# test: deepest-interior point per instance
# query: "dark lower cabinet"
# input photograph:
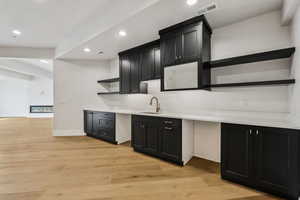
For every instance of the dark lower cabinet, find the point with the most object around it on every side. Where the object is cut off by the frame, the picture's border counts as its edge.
(160, 137)
(261, 157)
(236, 152)
(88, 122)
(170, 140)
(100, 125)
(138, 133)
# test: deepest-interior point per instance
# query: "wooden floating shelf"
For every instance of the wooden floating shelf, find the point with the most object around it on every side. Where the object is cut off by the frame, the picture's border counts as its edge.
(258, 57)
(259, 83)
(108, 93)
(112, 80)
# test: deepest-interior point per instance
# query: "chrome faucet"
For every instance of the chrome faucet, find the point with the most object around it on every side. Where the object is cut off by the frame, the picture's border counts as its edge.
(157, 104)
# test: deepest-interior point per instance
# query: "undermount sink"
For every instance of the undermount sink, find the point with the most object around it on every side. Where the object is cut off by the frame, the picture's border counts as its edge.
(153, 113)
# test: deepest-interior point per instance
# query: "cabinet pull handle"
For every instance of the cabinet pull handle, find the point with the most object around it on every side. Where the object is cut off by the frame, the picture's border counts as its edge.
(168, 122)
(257, 132)
(168, 128)
(250, 131)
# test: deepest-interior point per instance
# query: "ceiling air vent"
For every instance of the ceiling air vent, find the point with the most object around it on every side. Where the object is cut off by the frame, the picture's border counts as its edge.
(208, 8)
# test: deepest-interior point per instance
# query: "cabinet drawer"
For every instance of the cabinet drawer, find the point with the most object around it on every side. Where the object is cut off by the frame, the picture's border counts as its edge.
(170, 123)
(105, 115)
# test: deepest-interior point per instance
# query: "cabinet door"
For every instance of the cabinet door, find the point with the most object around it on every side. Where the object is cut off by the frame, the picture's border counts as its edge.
(168, 45)
(275, 166)
(157, 63)
(178, 47)
(124, 74)
(152, 131)
(134, 73)
(170, 142)
(88, 123)
(96, 124)
(138, 134)
(236, 147)
(192, 39)
(147, 64)
(107, 129)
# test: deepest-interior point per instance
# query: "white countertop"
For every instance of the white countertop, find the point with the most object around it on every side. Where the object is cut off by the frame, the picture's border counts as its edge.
(250, 118)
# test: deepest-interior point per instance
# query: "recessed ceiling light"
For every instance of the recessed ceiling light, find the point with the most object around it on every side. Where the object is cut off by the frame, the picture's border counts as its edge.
(16, 32)
(122, 33)
(44, 61)
(191, 2)
(87, 50)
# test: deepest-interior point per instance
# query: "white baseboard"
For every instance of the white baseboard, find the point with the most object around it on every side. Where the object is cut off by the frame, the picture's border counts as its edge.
(65, 133)
(205, 157)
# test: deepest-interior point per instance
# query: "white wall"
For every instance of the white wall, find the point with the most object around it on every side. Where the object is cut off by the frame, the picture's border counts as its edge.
(295, 92)
(16, 96)
(40, 92)
(75, 86)
(13, 98)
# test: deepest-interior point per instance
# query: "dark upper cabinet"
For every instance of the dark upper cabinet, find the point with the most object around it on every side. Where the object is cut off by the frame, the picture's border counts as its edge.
(192, 42)
(261, 157)
(168, 49)
(150, 60)
(157, 63)
(130, 73)
(134, 73)
(125, 82)
(187, 42)
(183, 43)
(158, 137)
(138, 64)
(147, 63)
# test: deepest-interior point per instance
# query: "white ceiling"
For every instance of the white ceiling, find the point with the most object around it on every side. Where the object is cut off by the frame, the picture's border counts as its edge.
(72, 25)
(44, 23)
(145, 24)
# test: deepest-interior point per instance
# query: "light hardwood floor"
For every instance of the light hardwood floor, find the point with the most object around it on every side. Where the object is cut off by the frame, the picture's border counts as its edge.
(36, 166)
